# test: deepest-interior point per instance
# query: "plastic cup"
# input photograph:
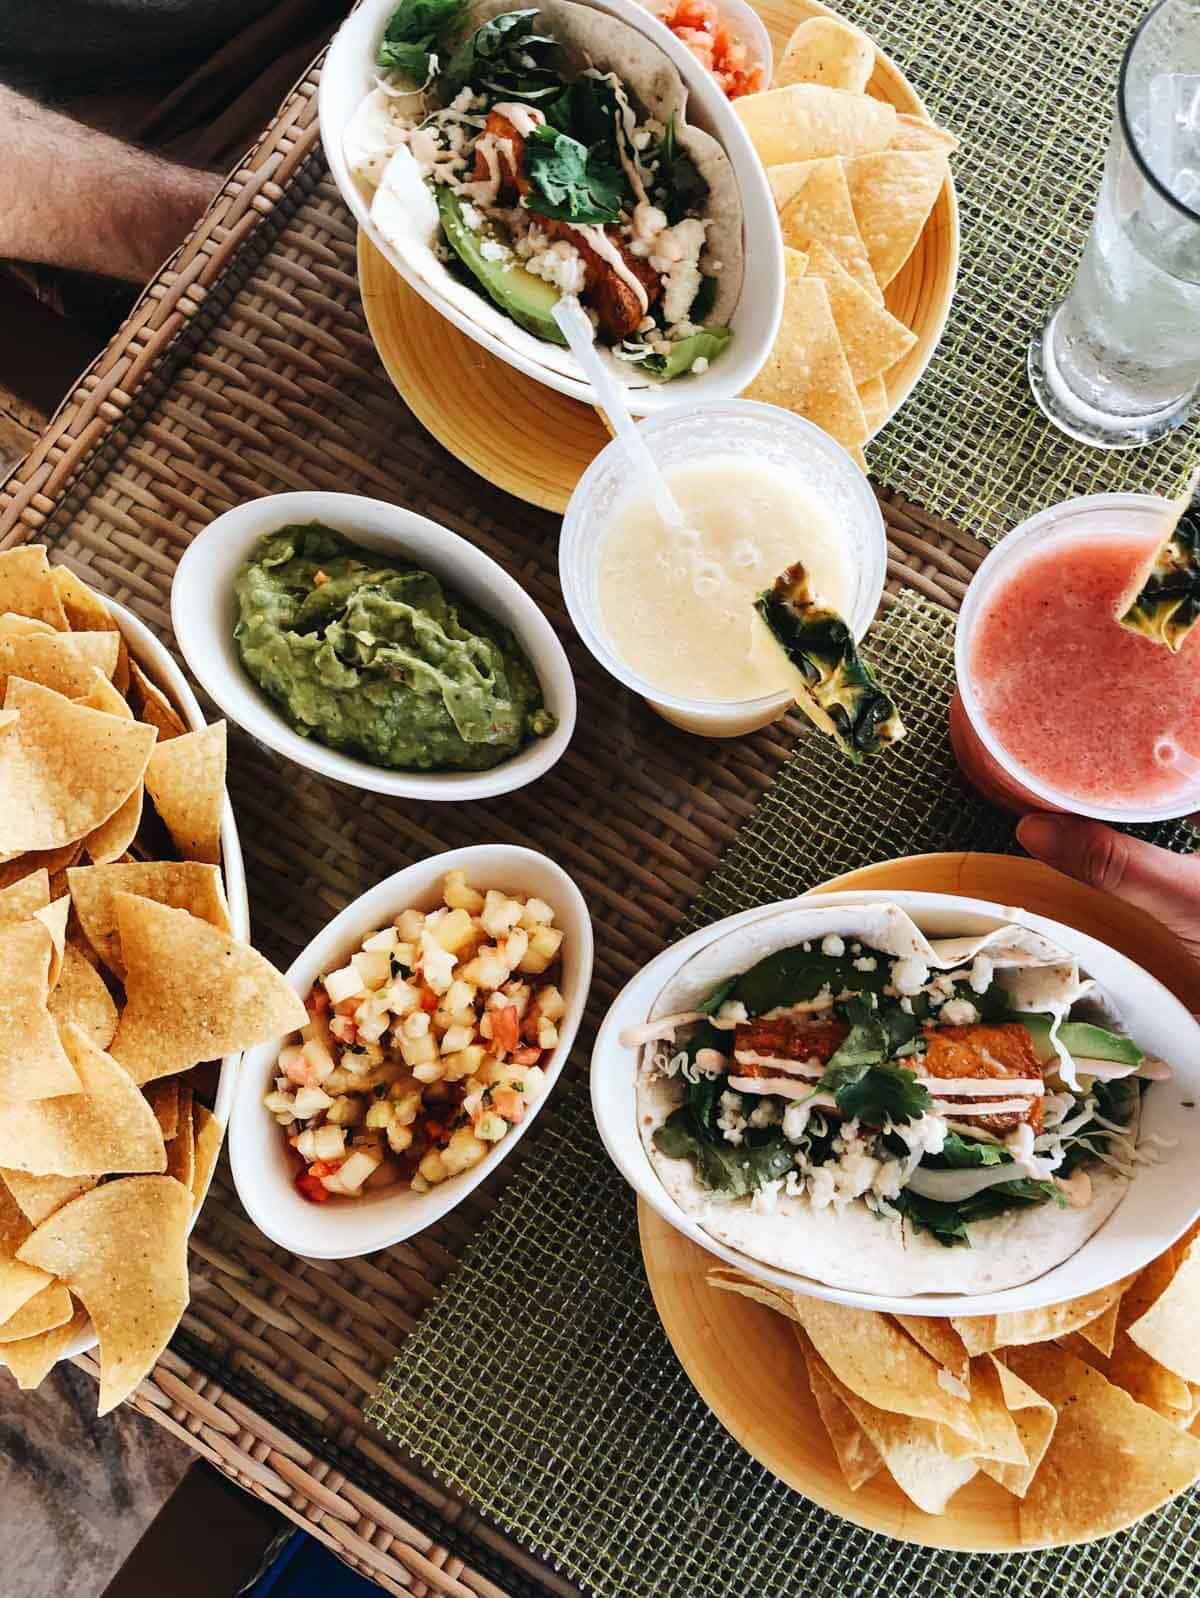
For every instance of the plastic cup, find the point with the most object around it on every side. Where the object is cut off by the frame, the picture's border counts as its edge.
(983, 759)
(698, 432)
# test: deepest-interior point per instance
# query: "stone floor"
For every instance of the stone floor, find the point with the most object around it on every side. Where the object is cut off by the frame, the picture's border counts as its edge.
(76, 1493)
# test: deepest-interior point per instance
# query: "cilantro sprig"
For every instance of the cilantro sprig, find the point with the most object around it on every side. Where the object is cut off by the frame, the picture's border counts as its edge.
(572, 182)
(411, 37)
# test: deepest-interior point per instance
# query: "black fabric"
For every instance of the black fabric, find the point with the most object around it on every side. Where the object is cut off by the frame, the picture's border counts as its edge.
(58, 49)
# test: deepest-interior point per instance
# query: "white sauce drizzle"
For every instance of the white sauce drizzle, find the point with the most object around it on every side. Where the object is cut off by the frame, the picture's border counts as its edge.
(604, 247)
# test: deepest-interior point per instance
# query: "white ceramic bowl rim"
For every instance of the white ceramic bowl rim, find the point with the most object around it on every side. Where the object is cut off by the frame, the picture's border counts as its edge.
(350, 1228)
(1137, 1225)
(203, 612)
(708, 412)
(1066, 520)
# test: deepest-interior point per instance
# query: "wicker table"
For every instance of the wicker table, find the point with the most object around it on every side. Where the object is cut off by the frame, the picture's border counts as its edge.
(246, 369)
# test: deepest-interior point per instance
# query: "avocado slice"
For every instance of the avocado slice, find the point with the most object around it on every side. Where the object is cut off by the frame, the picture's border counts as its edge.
(529, 300)
(1081, 1039)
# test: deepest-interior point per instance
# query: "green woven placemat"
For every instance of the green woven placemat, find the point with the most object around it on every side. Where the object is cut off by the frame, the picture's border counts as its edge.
(1029, 87)
(542, 1388)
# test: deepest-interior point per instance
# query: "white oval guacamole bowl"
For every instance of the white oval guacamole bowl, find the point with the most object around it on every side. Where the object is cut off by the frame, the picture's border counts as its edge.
(204, 610)
(262, 1167)
(1161, 1202)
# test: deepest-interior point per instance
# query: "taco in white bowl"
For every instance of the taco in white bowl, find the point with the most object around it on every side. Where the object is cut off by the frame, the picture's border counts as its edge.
(504, 156)
(839, 1096)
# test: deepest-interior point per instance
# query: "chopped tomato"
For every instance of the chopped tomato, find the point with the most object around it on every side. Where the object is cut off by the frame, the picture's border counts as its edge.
(506, 1029)
(429, 1000)
(528, 1056)
(324, 1167)
(311, 1188)
(317, 1002)
(346, 1006)
(698, 25)
(343, 1029)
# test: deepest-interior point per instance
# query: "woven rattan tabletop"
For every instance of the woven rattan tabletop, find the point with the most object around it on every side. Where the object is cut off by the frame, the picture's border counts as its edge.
(246, 369)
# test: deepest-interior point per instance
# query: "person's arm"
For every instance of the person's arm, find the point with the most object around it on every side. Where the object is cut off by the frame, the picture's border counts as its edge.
(72, 197)
(1165, 884)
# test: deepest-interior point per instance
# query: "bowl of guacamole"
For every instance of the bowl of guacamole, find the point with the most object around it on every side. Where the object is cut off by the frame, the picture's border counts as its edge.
(373, 646)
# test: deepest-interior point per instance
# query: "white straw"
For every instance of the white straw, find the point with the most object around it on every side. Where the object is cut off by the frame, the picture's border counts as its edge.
(580, 335)
(1168, 753)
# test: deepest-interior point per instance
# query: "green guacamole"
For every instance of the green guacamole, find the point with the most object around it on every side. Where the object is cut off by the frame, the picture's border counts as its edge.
(374, 657)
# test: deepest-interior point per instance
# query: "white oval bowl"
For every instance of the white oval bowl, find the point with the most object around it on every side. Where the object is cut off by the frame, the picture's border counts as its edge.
(204, 610)
(348, 75)
(156, 660)
(1160, 1204)
(262, 1170)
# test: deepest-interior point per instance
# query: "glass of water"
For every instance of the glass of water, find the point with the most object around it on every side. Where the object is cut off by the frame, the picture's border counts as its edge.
(1117, 364)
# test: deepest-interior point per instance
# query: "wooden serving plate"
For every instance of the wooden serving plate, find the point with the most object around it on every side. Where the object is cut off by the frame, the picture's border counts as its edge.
(534, 442)
(744, 1360)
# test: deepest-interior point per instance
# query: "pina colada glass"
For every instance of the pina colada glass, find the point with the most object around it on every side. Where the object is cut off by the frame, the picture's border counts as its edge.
(1117, 364)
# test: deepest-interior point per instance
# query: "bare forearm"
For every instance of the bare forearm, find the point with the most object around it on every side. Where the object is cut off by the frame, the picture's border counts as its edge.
(70, 196)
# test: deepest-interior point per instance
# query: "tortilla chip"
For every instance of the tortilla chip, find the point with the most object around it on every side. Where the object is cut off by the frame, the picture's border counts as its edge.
(1102, 1332)
(18, 1282)
(880, 1364)
(39, 1196)
(873, 397)
(112, 838)
(183, 884)
(806, 371)
(910, 1448)
(26, 586)
(163, 1098)
(23, 897)
(122, 1250)
(941, 1342)
(81, 996)
(181, 1150)
(1169, 1328)
(32, 1062)
(813, 201)
(102, 695)
(152, 705)
(983, 1333)
(106, 1128)
(14, 626)
(53, 917)
(192, 992)
(63, 769)
(186, 780)
(893, 193)
(85, 611)
(61, 661)
(44, 1311)
(806, 121)
(829, 51)
(1070, 1498)
(51, 861)
(857, 1455)
(918, 133)
(207, 1133)
(1034, 1418)
(872, 338)
(33, 1358)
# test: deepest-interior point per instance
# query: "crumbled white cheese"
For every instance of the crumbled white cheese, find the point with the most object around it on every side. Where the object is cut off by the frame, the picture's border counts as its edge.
(821, 1187)
(906, 1005)
(700, 365)
(832, 945)
(767, 1113)
(866, 962)
(981, 974)
(766, 1197)
(889, 1179)
(941, 988)
(910, 975)
(795, 1120)
(731, 1013)
(925, 1135)
(731, 1121)
(472, 217)
(560, 264)
(492, 250)
(958, 1012)
(676, 255)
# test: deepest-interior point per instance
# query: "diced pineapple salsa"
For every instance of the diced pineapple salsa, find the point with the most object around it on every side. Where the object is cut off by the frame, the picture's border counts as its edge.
(422, 1050)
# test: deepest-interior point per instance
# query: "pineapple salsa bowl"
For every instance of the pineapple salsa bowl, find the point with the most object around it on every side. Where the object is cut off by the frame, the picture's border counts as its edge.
(425, 1047)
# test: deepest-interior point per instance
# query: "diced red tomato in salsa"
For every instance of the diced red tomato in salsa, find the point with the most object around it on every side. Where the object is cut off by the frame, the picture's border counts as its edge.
(698, 25)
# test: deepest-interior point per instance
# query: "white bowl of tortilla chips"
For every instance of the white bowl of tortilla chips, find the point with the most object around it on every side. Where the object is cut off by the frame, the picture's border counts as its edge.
(127, 966)
(1131, 1227)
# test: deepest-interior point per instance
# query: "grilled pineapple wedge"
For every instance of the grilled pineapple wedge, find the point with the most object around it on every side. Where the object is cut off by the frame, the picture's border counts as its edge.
(839, 691)
(1163, 602)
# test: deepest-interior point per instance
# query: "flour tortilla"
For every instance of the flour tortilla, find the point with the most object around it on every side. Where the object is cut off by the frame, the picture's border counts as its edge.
(405, 213)
(853, 1248)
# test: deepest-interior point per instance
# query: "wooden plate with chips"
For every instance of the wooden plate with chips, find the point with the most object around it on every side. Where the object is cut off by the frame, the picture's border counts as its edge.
(748, 1363)
(534, 442)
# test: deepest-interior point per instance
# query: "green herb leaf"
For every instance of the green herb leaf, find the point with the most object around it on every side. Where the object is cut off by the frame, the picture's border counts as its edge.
(684, 191)
(412, 35)
(570, 182)
(726, 1171)
(713, 1000)
(960, 1153)
(505, 59)
(949, 1222)
(878, 1093)
(586, 109)
(790, 976)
